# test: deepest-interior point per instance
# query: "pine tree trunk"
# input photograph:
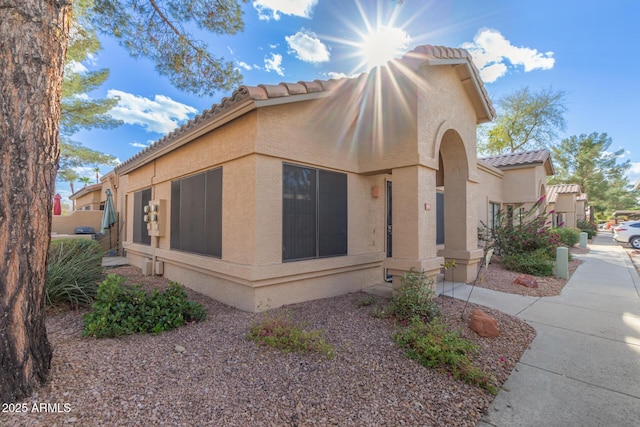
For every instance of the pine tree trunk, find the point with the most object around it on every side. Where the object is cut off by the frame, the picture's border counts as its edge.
(33, 42)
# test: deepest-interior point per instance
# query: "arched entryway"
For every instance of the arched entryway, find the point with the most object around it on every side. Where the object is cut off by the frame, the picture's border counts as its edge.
(458, 222)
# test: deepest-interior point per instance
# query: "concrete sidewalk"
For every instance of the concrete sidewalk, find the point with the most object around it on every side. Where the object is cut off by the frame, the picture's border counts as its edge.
(583, 368)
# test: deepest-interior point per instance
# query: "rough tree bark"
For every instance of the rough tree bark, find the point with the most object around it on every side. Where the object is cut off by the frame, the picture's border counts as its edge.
(33, 42)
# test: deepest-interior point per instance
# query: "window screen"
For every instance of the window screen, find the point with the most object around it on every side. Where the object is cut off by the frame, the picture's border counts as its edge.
(314, 213)
(196, 213)
(140, 200)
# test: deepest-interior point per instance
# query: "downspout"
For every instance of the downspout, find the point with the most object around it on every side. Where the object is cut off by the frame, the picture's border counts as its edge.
(154, 239)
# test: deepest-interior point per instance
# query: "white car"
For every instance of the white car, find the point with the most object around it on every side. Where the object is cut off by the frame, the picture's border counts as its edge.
(628, 232)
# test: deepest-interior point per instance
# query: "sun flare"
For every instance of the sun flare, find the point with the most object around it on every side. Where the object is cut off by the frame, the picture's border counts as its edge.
(382, 44)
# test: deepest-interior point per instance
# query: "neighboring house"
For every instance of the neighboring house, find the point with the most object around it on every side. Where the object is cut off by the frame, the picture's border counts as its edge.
(297, 191)
(568, 204)
(512, 183)
(88, 198)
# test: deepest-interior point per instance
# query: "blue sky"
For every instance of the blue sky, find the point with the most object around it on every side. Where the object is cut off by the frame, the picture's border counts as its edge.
(586, 48)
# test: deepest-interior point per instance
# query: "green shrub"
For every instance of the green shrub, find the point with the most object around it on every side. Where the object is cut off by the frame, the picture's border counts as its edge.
(536, 263)
(435, 347)
(415, 297)
(73, 271)
(589, 227)
(282, 333)
(121, 310)
(514, 234)
(568, 236)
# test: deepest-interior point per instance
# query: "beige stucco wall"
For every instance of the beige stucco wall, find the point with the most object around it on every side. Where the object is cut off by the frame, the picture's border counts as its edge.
(490, 181)
(91, 199)
(522, 185)
(398, 140)
(66, 224)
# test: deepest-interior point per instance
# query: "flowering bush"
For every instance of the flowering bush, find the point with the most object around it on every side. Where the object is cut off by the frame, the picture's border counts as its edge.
(528, 237)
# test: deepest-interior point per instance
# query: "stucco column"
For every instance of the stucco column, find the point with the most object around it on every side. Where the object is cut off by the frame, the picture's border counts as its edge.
(461, 229)
(414, 223)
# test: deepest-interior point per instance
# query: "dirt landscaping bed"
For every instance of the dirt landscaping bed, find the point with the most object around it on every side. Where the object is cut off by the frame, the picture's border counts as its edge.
(497, 278)
(208, 373)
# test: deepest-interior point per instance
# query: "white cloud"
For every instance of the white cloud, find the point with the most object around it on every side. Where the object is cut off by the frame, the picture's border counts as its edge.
(492, 53)
(138, 144)
(271, 9)
(246, 66)
(633, 174)
(161, 114)
(308, 47)
(75, 67)
(337, 75)
(274, 63)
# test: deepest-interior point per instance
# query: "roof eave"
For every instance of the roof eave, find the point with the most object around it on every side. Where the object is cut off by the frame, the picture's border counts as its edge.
(238, 110)
(290, 99)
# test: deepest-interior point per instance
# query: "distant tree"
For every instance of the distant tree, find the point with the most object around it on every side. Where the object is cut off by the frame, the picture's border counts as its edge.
(85, 180)
(526, 120)
(70, 176)
(34, 36)
(586, 160)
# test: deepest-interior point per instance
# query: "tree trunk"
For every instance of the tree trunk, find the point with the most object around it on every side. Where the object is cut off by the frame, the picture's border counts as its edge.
(33, 42)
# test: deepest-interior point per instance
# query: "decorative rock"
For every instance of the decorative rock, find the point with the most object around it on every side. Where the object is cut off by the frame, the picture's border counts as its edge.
(483, 324)
(526, 280)
(179, 349)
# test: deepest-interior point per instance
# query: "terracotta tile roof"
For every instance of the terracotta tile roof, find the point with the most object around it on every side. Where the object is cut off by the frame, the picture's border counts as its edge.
(554, 190)
(245, 95)
(518, 159)
(86, 190)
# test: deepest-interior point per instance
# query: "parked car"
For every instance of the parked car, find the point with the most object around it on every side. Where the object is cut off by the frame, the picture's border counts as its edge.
(628, 232)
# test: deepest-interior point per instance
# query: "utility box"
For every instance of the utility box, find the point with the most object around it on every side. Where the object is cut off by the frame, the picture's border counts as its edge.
(147, 267)
(159, 268)
(155, 217)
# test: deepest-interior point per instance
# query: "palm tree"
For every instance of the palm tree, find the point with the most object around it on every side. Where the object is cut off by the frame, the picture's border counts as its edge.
(97, 171)
(70, 176)
(85, 180)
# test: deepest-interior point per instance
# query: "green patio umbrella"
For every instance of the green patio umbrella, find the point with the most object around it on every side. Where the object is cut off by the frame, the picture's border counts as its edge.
(108, 215)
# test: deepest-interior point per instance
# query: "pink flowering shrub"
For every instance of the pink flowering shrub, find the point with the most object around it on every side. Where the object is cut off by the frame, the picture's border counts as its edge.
(527, 238)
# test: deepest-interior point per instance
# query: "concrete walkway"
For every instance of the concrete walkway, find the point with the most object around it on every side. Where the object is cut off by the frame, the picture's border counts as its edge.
(583, 368)
(114, 261)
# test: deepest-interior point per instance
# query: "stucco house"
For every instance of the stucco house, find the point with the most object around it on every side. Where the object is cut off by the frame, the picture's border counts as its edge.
(291, 192)
(88, 198)
(512, 183)
(568, 203)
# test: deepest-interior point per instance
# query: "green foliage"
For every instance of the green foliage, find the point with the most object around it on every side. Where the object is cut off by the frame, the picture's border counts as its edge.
(588, 161)
(526, 120)
(528, 233)
(73, 271)
(536, 263)
(78, 111)
(121, 310)
(158, 31)
(282, 333)
(588, 227)
(433, 346)
(370, 300)
(414, 298)
(569, 237)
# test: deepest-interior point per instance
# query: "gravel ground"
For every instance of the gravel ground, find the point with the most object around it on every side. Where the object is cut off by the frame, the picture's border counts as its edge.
(222, 379)
(496, 277)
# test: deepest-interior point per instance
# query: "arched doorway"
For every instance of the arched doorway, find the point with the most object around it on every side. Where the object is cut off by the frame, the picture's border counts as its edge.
(458, 222)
